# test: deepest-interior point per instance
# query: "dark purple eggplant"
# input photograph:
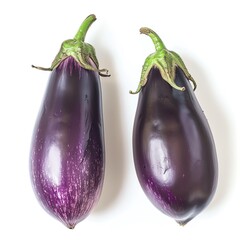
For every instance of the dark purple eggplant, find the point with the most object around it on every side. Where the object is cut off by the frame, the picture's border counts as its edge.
(173, 147)
(67, 154)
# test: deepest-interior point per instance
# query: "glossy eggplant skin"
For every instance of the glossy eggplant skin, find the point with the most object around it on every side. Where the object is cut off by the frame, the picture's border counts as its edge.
(173, 148)
(67, 153)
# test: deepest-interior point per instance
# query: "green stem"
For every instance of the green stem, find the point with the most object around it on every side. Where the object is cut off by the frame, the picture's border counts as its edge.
(164, 60)
(157, 41)
(83, 53)
(80, 36)
(42, 68)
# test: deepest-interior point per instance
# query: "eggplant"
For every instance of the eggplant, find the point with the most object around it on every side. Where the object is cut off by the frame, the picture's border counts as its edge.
(173, 148)
(67, 158)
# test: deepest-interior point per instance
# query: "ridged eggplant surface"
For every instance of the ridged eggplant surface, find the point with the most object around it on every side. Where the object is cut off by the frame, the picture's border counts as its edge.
(67, 152)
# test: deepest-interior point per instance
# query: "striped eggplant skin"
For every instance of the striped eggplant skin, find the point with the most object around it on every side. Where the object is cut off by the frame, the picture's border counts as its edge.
(67, 154)
(173, 148)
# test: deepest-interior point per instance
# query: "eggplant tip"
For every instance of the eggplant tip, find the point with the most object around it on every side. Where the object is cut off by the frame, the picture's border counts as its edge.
(70, 225)
(183, 222)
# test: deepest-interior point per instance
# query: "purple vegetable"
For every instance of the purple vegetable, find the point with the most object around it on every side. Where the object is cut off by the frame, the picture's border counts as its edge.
(67, 152)
(173, 147)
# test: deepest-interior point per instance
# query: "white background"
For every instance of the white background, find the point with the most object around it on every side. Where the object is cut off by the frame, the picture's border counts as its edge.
(206, 35)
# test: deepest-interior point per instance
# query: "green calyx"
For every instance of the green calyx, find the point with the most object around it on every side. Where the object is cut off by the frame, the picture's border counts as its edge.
(82, 52)
(163, 59)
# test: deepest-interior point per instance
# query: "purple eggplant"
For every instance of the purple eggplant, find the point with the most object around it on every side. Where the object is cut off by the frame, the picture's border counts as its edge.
(67, 156)
(173, 147)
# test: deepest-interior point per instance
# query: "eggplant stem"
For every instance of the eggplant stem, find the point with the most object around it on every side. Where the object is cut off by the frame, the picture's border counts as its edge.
(182, 66)
(137, 91)
(157, 41)
(79, 50)
(163, 59)
(104, 74)
(42, 68)
(82, 31)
